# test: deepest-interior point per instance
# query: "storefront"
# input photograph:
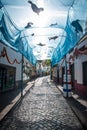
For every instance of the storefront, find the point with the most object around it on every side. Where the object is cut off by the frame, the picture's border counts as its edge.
(7, 77)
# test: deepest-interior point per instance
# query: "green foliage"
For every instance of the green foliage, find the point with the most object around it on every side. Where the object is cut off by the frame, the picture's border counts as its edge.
(48, 62)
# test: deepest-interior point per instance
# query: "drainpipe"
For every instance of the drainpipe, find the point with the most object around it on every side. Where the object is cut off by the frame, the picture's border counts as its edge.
(66, 77)
(51, 72)
(22, 77)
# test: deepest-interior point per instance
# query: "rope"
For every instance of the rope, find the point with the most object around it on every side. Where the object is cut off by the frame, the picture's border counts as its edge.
(4, 54)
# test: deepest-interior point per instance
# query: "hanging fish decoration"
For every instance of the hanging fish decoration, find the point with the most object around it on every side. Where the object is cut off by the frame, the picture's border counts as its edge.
(53, 38)
(29, 24)
(77, 26)
(35, 8)
(53, 24)
(32, 34)
(40, 44)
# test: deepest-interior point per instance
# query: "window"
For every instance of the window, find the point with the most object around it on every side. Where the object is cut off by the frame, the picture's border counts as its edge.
(7, 77)
(85, 73)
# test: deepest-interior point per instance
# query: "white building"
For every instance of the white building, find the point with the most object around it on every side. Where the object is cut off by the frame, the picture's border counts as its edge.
(77, 61)
(11, 68)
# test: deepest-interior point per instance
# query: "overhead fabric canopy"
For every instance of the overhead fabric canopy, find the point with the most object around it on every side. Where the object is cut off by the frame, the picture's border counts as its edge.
(42, 29)
(14, 38)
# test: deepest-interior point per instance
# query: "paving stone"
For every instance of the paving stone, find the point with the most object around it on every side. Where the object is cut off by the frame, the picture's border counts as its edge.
(43, 108)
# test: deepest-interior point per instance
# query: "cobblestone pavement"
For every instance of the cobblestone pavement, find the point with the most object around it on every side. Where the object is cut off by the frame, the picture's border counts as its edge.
(43, 108)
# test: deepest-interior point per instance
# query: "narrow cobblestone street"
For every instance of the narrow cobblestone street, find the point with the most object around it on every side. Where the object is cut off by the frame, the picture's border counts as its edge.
(42, 108)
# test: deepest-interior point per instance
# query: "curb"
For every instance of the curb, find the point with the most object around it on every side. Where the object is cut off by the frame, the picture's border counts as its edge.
(78, 112)
(5, 111)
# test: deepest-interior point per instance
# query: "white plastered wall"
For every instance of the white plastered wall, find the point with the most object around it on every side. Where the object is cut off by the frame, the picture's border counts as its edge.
(12, 55)
(78, 71)
(78, 64)
(55, 72)
(61, 64)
